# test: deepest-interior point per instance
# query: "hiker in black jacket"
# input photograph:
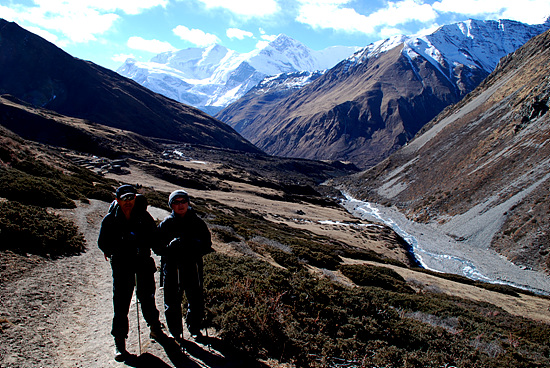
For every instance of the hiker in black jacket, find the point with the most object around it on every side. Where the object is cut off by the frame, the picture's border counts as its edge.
(125, 238)
(184, 240)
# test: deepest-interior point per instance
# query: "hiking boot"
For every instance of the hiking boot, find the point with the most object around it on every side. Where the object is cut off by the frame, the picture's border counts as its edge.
(157, 334)
(179, 340)
(120, 349)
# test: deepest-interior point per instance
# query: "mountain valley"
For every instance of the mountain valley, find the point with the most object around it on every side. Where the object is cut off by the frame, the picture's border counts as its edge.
(479, 171)
(374, 102)
(296, 280)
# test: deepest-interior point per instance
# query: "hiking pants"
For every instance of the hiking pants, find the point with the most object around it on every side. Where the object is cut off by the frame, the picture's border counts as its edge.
(124, 280)
(178, 279)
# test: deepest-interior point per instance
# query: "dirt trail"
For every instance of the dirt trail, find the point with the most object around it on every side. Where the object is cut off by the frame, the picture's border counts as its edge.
(59, 315)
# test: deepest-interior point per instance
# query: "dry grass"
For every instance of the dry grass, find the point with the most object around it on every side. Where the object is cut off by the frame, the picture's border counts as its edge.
(247, 197)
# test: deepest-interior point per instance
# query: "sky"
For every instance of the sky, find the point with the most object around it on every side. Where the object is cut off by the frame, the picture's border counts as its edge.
(107, 32)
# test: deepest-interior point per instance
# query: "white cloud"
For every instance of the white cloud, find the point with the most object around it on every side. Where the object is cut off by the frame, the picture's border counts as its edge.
(131, 7)
(265, 39)
(247, 8)
(330, 14)
(527, 11)
(102, 6)
(339, 15)
(404, 11)
(238, 33)
(8, 14)
(42, 33)
(195, 36)
(335, 14)
(261, 44)
(390, 31)
(77, 20)
(154, 46)
(268, 38)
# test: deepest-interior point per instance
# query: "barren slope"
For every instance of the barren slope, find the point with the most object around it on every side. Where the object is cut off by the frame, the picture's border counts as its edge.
(480, 170)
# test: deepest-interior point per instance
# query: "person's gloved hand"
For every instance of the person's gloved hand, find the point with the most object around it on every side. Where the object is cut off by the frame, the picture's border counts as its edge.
(175, 244)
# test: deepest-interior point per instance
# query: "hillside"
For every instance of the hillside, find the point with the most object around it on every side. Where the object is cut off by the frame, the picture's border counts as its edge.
(296, 281)
(37, 72)
(374, 102)
(480, 171)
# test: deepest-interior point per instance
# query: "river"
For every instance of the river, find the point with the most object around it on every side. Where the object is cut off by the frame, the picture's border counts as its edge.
(437, 251)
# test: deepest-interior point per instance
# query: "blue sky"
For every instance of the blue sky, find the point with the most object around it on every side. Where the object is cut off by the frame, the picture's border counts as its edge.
(106, 32)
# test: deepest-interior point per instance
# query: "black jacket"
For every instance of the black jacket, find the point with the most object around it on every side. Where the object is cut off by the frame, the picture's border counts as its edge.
(184, 239)
(127, 239)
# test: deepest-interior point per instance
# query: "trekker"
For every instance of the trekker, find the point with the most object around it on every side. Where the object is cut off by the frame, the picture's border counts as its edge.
(185, 239)
(125, 238)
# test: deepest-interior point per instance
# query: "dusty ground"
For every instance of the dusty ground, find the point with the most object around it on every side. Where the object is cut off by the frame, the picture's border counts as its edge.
(58, 313)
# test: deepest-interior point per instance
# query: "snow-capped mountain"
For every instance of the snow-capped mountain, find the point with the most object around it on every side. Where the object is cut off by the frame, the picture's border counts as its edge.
(376, 100)
(474, 44)
(213, 77)
(38, 74)
(269, 91)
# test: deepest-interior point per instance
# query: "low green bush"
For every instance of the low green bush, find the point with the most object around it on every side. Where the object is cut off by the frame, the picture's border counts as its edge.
(292, 316)
(31, 229)
(33, 182)
(19, 186)
(366, 275)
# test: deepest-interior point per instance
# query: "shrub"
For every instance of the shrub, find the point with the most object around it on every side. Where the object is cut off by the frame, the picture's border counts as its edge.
(31, 229)
(34, 182)
(366, 275)
(292, 316)
(19, 186)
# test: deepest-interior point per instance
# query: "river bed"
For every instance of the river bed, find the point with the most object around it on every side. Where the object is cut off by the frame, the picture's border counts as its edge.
(437, 251)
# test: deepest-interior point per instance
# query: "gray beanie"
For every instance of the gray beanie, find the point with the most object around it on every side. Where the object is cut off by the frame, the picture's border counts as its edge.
(177, 194)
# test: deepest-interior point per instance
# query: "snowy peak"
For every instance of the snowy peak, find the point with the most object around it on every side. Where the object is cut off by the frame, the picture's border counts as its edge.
(213, 77)
(285, 55)
(479, 43)
(194, 63)
(473, 43)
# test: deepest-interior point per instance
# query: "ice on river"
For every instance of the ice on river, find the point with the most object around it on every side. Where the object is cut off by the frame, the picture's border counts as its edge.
(437, 251)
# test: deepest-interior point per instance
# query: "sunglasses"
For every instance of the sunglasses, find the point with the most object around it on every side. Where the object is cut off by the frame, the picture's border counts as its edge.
(128, 197)
(179, 201)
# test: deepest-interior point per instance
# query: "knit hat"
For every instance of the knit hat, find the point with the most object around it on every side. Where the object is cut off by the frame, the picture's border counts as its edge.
(177, 194)
(125, 189)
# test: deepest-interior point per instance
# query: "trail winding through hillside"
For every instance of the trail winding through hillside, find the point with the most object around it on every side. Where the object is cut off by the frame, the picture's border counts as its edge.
(58, 314)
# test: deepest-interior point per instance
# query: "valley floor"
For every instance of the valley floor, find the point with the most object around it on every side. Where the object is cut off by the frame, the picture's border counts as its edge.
(58, 313)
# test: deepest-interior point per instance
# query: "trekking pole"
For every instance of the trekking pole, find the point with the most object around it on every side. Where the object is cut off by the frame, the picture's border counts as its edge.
(137, 314)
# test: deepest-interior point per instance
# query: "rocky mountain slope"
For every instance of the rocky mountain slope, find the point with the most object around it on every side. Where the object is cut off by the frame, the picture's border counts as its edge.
(480, 170)
(266, 94)
(374, 102)
(37, 72)
(213, 77)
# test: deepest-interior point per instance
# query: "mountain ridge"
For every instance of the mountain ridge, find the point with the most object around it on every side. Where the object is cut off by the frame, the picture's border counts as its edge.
(385, 112)
(480, 171)
(210, 78)
(84, 90)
